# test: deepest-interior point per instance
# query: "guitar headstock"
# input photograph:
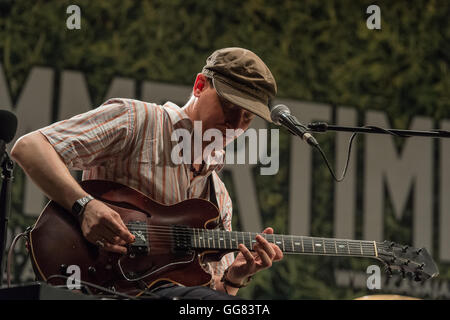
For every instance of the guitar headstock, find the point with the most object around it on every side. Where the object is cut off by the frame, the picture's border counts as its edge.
(407, 260)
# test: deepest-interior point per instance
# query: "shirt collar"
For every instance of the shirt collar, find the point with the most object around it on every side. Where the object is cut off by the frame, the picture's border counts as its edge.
(179, 119)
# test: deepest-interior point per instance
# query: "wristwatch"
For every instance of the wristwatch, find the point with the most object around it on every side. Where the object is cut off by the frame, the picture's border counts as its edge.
(79, 205)
(234, 285)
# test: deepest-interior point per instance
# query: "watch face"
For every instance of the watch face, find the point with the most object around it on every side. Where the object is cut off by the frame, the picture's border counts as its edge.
(77, 208)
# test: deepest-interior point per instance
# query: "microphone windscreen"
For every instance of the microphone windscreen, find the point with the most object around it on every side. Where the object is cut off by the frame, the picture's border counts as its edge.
(277, 111)
(8, 125)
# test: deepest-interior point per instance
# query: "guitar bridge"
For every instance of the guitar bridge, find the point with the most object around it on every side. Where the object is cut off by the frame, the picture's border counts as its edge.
(141, 244)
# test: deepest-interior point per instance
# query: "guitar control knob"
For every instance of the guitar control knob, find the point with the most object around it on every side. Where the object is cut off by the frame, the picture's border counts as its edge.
(92, 270)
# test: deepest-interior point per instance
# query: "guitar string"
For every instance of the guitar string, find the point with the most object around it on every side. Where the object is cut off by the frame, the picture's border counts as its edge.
(163, 236)
(188, 230)
(354, 248)
(169, 231)
(284, 238)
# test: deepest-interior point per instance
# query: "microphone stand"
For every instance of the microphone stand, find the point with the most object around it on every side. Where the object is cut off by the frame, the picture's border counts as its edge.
(323, 127)
(5, 204)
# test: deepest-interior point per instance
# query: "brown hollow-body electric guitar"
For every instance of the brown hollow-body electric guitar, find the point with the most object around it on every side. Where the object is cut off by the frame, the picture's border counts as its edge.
(173, 242)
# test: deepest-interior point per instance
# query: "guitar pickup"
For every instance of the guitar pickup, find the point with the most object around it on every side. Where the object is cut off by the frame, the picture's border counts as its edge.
(141, 243)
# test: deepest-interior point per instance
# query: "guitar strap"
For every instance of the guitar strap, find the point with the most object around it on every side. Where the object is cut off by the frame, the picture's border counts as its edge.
(213, 199)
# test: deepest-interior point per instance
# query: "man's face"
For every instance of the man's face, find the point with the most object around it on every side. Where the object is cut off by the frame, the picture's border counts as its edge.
(218, 113)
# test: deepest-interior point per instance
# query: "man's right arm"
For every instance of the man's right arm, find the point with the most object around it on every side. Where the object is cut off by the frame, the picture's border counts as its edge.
(45, 167)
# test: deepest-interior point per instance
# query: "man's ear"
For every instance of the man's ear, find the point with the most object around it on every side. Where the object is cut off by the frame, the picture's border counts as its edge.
(200, 84)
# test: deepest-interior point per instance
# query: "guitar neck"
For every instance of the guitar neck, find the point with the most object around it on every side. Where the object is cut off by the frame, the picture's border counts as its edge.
(289, 244)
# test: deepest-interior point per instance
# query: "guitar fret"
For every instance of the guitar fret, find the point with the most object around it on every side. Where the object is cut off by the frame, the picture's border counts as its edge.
(201, 238)
(330, 245)
(225, 234)
(307, 245)
(355, 248)
(296, 244)
(317, 246)
(218, 238)
(326, 246)
(193, 239)
(237, 238)
(208, 233)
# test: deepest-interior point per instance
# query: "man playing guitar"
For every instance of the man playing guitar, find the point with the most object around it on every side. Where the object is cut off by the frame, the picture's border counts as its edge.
(130, 142)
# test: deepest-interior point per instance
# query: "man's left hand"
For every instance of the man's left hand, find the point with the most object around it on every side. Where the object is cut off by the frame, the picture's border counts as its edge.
(248, 263)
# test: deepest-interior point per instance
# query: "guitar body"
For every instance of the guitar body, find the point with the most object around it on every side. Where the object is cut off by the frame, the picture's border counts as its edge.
(56, 242)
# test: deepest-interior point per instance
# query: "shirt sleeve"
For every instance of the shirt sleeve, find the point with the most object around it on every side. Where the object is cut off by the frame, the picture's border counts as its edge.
(89, 139)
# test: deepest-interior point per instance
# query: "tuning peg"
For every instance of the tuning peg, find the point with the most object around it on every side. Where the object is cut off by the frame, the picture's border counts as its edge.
(404, 249)
(417, 277)
(392, 244)
(418, 251)
(403, 273)
(421, 266)
(389, 272)
(406, 262)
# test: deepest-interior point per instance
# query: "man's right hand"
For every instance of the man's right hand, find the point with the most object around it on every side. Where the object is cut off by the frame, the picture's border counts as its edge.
(101, 223)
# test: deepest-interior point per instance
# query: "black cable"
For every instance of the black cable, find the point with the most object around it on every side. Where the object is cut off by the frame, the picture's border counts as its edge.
(10, 252)
(89, 284)
(350, 150)
(346, 164)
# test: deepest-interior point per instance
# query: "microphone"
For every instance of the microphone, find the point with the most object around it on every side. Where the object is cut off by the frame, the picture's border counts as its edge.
(8, 127)
(281, 115)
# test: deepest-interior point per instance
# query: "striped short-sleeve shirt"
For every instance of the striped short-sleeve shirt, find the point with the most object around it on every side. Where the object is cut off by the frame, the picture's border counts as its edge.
(129, 142)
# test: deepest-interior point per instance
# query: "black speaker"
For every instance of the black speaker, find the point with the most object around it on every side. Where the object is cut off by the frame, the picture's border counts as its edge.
(42, 291)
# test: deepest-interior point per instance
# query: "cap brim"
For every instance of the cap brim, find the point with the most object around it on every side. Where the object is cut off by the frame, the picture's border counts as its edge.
(242, 99)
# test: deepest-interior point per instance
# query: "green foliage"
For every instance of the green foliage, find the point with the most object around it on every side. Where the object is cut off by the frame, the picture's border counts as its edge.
(317, 50)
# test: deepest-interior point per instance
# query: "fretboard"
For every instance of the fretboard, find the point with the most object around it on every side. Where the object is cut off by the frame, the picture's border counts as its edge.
(226, 240)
